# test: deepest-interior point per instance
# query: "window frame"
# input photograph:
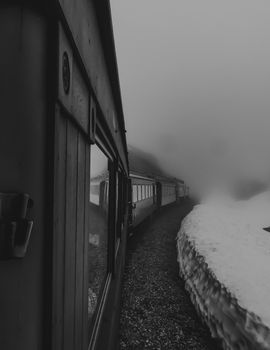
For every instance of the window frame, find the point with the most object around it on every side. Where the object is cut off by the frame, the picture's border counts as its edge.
(107, 277)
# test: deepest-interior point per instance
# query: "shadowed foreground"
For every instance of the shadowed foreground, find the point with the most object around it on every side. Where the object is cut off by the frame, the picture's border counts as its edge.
(156, 310)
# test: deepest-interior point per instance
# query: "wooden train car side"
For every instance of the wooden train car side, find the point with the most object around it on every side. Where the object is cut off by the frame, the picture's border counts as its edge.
(62, 126)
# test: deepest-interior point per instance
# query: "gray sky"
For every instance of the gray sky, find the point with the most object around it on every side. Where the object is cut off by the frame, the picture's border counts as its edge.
(195, 81)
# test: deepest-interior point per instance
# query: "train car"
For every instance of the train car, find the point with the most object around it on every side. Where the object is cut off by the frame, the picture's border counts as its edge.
(64, 176)
(144, 201)
(166, 191)
(151, 187)
(186, 191)
(180, 189)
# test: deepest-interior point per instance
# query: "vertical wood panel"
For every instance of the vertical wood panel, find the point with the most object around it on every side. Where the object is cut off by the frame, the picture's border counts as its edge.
(80, 244)
(59, 229)
(70, 271)
(70, 237)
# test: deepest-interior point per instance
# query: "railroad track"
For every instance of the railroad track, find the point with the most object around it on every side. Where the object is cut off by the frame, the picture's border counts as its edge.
(156, 310)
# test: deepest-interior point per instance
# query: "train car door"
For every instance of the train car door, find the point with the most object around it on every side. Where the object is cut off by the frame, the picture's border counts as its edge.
(159, 194)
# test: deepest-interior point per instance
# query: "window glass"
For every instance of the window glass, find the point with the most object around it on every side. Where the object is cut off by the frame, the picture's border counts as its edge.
(139, 192)
(143, 191)
(98, 228)
(147, 191)
(134, 193)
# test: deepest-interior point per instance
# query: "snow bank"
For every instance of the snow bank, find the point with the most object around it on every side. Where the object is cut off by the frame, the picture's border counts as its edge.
(224, 257)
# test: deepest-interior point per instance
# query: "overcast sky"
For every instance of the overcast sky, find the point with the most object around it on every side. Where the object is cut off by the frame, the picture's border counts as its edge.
(195, 81)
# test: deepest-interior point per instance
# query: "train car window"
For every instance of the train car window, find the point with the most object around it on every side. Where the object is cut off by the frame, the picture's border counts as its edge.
(98, 228)
(143, 191)
(147, 191)
(139, 192)
(134, 194)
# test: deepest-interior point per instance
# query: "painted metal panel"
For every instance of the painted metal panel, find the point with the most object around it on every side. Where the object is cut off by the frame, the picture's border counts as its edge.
(23, 42)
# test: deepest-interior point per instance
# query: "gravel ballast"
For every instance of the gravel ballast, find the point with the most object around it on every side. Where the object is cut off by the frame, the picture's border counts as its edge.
(156, 310)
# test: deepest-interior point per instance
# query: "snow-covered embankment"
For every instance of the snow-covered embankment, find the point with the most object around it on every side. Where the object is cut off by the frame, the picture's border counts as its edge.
(224, 258)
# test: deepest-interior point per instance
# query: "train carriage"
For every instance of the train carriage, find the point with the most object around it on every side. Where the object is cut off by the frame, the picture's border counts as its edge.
(144, 201)
(63, 145)
(167, 192)
(64, 180)
(181, 190)
(151, 188)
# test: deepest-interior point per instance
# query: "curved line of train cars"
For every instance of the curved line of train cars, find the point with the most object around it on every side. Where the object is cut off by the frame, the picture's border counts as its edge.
(150, 193)
(64, 180)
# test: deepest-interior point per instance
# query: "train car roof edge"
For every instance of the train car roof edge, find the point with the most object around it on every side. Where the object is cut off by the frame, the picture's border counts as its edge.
(103, 11)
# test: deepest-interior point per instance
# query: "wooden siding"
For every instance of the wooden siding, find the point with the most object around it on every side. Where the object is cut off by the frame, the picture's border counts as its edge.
(70, 234)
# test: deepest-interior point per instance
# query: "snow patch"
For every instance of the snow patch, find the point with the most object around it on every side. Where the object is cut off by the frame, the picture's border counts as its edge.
(229, 236)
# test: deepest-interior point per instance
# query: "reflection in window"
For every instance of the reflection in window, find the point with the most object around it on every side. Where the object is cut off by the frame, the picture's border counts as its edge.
(98, 227)
(121, 204)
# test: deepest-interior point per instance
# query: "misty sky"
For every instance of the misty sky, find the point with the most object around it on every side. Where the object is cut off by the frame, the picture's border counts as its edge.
(195, 82)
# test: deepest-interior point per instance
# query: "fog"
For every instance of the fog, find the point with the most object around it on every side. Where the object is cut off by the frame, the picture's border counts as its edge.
(195, 82)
